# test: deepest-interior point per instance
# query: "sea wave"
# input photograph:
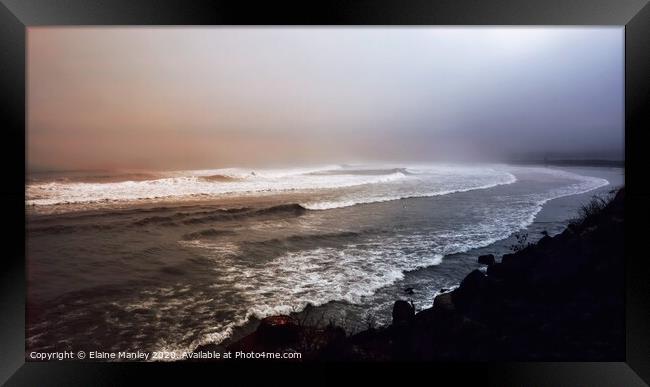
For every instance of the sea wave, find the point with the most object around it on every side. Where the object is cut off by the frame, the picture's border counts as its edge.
(373, 198)
(330, 186)
(191, 187)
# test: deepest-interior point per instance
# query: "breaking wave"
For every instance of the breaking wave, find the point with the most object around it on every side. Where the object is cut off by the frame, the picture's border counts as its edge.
(340, 186)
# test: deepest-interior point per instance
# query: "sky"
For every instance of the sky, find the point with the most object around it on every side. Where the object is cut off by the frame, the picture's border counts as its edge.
(180, 98)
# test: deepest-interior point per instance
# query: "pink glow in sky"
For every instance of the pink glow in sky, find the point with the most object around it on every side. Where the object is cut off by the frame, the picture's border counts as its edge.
(213, 97)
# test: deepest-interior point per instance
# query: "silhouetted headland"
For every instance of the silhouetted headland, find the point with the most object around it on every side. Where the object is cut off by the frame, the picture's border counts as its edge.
(573, 163)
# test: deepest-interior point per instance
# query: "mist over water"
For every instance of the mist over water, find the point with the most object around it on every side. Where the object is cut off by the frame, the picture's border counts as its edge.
(192, 98)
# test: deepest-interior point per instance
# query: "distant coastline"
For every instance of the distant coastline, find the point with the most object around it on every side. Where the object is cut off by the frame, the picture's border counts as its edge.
(572, 163)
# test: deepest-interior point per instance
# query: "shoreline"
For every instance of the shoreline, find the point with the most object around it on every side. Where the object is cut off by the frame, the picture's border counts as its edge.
(490, 315)
(534, 231)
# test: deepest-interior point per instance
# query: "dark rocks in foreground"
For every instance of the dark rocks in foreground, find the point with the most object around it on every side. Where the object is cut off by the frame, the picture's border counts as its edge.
(403, 312)
(487, 259)
(278, 329)
(561, 299)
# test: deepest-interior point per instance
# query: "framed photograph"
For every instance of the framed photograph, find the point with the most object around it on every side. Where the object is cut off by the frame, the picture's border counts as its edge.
(361, 185)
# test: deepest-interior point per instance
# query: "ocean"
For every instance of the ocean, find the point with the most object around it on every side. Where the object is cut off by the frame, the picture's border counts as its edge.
(168, 261)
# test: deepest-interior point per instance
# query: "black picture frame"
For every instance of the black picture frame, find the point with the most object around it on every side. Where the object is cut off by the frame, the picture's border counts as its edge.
(16, 16)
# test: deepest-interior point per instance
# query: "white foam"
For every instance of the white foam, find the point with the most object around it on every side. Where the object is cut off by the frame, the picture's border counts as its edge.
(394, 184)
(292, 281)
(252, 173)
(579, 184)
(440, 187)
(188, 187)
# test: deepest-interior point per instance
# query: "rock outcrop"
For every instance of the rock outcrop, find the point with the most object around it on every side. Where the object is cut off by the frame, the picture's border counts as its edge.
(403, 312)
(487, 259)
